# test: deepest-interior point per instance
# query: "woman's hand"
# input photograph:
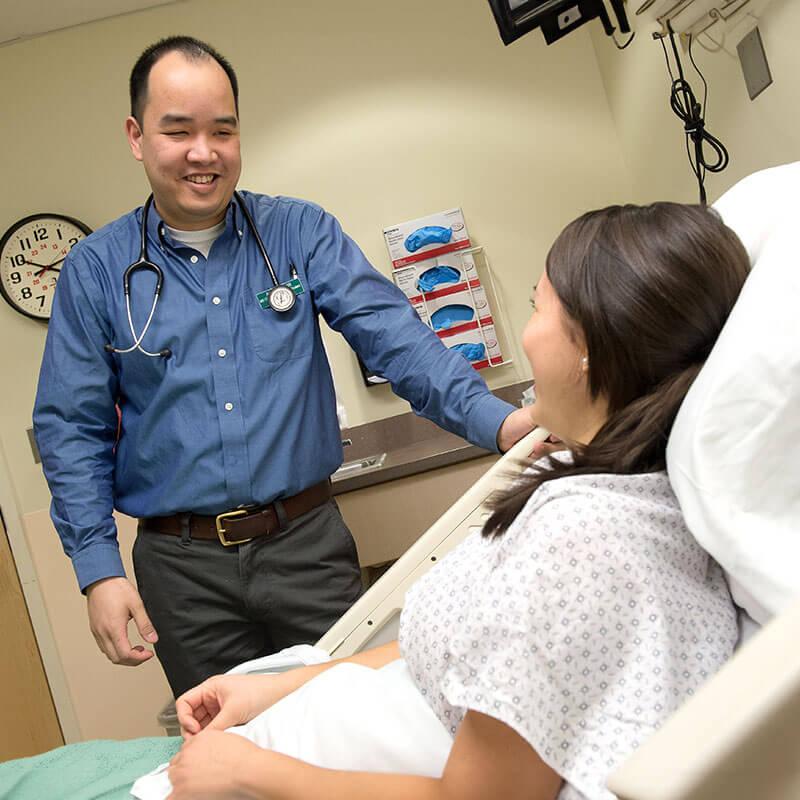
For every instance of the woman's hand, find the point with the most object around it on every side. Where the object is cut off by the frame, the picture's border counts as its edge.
(214, 766)
(226, 700)
(552, 444)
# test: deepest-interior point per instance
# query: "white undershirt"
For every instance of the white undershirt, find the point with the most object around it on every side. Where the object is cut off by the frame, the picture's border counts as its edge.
(198, 240)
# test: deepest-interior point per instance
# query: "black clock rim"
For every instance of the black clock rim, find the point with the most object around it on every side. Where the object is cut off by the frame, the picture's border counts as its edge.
(10, 232)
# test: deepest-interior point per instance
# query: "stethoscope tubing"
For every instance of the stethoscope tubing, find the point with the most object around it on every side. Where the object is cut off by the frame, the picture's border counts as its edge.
(137, 344)
(143, 263)
(252, 225)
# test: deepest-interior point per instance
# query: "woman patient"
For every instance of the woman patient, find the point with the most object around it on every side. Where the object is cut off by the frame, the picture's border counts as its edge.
(554, 643)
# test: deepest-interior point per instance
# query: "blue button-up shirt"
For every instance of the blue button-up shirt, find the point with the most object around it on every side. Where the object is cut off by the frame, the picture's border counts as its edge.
(244, 410)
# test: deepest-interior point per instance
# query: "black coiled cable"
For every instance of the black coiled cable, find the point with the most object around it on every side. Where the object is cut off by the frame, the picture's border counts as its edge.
(690, 112)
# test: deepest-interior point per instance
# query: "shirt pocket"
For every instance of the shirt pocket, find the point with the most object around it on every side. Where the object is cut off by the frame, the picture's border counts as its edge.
(278, 336)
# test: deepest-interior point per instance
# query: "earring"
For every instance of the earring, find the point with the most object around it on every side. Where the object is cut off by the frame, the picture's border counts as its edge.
(585, 362)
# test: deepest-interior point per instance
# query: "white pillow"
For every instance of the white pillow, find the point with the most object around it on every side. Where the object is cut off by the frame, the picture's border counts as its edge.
(734, 453)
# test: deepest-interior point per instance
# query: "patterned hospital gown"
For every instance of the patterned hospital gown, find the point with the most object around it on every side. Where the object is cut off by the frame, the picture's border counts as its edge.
(582, 628)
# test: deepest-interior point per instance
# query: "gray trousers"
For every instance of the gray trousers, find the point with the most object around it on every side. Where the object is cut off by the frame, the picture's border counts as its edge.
(214, 607)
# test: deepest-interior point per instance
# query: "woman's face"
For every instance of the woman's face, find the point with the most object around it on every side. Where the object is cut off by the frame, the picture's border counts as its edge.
(557, 354)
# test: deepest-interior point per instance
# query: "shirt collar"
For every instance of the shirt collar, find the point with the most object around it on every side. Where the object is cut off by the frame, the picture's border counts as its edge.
(157, 231)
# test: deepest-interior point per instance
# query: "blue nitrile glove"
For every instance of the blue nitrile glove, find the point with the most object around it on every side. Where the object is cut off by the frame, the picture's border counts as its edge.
(430, 234)
(449, 316)
(471, 351)
(435, 276)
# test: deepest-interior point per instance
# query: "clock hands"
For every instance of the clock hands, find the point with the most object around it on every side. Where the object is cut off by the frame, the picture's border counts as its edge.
(45, 267)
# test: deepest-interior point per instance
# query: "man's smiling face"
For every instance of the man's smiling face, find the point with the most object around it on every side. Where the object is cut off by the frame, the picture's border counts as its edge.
(188, 141)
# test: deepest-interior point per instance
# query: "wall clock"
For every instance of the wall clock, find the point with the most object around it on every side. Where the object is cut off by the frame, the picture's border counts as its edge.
(32, 252)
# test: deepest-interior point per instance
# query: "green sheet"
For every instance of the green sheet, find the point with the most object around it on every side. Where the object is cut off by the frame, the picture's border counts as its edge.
(100, 770)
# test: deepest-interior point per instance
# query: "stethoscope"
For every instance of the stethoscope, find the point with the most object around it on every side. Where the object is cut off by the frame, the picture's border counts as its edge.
(279, 298)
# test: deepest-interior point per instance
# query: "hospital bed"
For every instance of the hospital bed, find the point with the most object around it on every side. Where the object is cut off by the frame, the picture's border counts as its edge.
(374, 619)
(738, 738)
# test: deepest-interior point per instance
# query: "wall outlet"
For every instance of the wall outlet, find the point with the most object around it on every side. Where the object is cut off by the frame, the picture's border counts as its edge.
(754, 63)
(34, 448)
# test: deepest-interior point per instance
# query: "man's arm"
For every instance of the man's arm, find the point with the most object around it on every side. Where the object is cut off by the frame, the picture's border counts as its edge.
(381, 325)
(75, 424)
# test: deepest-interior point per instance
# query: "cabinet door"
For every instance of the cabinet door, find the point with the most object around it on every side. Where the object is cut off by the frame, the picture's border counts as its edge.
(29, 723)
(386, 519)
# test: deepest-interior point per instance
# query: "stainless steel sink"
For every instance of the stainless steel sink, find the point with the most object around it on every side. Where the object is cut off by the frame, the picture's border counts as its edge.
(359, 466)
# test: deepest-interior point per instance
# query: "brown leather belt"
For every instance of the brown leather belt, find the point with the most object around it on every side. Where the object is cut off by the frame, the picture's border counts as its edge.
(242, 524)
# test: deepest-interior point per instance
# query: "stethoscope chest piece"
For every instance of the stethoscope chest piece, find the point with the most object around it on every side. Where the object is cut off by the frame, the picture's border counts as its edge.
(281, 298)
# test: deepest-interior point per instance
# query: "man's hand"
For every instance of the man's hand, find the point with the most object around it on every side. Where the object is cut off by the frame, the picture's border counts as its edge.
(516, 425)
(112, 603)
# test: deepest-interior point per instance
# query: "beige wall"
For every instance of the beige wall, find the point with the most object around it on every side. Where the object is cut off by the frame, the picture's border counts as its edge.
(107, 702)
(121, 702)
(379, 113)
(380, 116)
(757, 133)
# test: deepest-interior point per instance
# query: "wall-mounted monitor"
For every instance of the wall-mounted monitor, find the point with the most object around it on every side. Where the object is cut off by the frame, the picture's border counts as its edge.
(556, 18)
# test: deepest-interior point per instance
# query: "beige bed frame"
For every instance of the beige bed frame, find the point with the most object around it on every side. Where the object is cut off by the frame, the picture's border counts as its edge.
(737, 739)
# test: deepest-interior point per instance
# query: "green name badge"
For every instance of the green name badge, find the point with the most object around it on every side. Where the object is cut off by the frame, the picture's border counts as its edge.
(295, 285)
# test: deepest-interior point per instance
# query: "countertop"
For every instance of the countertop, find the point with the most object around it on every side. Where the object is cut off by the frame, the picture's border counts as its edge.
(411, 445)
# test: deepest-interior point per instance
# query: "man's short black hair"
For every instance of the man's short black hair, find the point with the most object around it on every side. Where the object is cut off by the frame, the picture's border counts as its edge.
(192, 49)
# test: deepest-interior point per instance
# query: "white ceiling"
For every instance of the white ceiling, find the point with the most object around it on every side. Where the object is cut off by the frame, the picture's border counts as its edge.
(21, 19)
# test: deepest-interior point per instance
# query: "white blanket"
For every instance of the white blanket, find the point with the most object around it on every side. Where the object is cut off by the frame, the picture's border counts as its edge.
(351, 718)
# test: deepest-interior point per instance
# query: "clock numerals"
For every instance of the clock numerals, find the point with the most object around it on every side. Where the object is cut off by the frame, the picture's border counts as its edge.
(31, 255)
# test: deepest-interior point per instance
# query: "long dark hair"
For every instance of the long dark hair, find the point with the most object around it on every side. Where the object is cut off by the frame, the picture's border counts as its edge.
(650, 288)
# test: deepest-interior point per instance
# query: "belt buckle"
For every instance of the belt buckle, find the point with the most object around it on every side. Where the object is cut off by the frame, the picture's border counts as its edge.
(221, 532)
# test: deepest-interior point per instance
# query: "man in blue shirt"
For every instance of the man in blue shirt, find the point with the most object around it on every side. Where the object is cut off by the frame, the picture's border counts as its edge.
(227, 432)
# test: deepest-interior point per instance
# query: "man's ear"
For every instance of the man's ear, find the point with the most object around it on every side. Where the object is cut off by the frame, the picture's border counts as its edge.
(134, 133)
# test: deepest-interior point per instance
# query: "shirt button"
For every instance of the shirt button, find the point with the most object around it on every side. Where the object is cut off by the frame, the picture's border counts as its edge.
(229, 406)
(216, 301)
(222, 352)
(193, 259)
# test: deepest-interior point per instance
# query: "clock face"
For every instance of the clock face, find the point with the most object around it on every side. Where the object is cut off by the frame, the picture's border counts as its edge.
(32, 252)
